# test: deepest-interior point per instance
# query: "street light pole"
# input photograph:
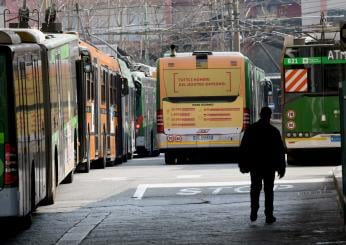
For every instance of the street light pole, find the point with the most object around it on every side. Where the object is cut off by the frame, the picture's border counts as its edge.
(146, 42)
(236, 34)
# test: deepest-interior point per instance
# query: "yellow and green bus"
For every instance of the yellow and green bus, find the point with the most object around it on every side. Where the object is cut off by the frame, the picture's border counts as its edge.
(311, 76)
(38, 123)
(205, 100)
(146, 140)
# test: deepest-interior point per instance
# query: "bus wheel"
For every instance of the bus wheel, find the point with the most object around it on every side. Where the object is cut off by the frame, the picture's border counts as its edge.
(170, 158)
(104, 158)
(87, 163)
(68, 179)
(124, 157)
(52, 182)
(118, 160)
(155, 153)
(33, 189)
(26, 221)
(291, 160)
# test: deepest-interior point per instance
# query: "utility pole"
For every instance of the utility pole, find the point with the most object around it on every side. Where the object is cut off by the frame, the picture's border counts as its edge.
(236, 34)
(146, 41)
(69, 22)
(230, 28)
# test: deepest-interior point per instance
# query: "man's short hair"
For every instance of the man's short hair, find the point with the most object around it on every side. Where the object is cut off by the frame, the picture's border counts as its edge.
(266, 112)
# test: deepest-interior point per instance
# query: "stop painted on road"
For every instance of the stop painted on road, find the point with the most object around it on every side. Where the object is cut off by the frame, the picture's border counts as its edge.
(224, 189)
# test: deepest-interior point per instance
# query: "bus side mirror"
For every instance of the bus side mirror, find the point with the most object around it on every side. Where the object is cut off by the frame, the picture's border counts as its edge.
(343, 33)
(86, 64)
(87, 68)
(125, 86)
(278, 96)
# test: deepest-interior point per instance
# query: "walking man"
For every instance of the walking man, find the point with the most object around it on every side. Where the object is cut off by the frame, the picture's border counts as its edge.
(262, 153)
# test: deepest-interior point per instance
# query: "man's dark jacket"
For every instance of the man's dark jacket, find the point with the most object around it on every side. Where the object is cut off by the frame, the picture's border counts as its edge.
(261, 149)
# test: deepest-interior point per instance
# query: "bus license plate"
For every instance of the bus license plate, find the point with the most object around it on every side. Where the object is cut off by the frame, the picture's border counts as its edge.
(203, 137)
(335, 138)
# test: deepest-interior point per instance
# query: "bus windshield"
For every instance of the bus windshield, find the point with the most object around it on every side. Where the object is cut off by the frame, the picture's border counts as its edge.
(310, 70)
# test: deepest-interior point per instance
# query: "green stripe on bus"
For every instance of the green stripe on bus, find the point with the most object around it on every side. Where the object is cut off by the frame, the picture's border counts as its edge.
(302, 61)
(2, 138)
(326, 60)
(73, 123)
(65, 51)
(312, 61)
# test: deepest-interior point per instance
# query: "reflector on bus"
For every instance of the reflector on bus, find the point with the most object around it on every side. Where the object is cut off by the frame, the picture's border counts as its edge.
(296, 80)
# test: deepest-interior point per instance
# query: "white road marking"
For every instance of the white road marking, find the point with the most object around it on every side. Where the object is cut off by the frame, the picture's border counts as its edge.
(115, 178)
(143, 187)
(188, 176)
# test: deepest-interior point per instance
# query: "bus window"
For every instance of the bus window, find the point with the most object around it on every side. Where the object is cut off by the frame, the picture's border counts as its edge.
(103, 86)
(88, 85)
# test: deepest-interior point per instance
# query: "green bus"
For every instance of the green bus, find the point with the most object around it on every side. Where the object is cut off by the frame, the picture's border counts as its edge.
(145, 127)
(38, 123)
(311, 116)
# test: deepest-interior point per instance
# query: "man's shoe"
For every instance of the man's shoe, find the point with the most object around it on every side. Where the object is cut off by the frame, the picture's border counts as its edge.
(253, 216)
(270, 219)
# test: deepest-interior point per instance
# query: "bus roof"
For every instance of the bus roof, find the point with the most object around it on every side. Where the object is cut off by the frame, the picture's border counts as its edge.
(26, 35)
(36, 36)
(238, 54)
(125, 72)
(310, 45)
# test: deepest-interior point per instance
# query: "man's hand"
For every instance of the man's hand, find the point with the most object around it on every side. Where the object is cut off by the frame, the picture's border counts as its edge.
(244, 170)
(281, 173)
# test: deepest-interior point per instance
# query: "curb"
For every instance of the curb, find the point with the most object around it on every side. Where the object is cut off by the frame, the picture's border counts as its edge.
(337, 176)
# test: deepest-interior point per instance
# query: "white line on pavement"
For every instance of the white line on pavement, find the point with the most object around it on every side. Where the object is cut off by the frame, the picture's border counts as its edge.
(188, 176)
(115, 178)
(143, 187)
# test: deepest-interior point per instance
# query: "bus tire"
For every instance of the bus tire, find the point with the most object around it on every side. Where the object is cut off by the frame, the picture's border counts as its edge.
(33, 188)
(104, 158)
(87, 163)
(50, 197)
(68, 179)
(26, 221)
(124, 158)
(170, 158)
(119, 160)
(155, 153)
(291, 159)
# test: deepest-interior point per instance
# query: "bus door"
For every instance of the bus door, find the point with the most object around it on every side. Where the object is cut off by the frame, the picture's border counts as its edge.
(118, 112)
(96, 117)
(108, 113)
(104, 110)
(82, 132)
(29, 132)
(60, 120)
(38, 118)
(112, 115)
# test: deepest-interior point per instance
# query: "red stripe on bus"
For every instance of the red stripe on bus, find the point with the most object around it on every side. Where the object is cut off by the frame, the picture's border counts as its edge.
(296, 80)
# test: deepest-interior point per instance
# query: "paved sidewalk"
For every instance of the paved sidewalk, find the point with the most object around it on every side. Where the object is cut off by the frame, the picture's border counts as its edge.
(337, 174)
